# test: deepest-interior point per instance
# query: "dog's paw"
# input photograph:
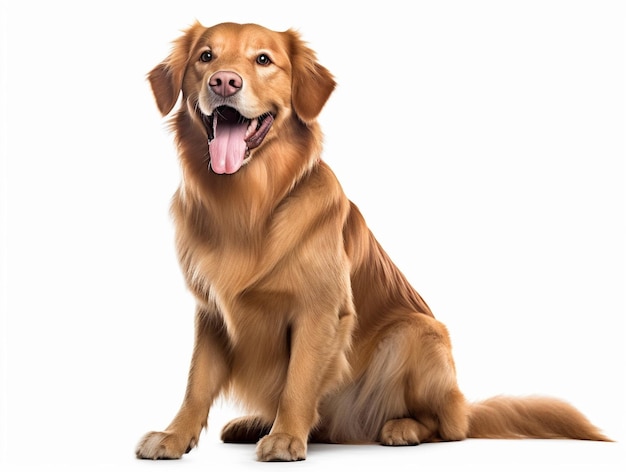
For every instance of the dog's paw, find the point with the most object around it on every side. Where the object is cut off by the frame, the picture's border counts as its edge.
(280, 447)
(163, 445)
(401, 432)
(247, 429)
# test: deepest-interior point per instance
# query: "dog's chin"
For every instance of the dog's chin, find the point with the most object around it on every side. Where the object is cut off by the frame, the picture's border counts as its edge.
(232, 136)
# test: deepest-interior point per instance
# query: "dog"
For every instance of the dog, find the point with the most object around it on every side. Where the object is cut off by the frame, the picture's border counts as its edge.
(301, 315)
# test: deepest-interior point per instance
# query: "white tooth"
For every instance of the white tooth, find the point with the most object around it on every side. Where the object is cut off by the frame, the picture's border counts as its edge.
(251, 127)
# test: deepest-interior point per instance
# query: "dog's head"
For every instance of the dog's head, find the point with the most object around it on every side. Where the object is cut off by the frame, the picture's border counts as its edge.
(241, 82)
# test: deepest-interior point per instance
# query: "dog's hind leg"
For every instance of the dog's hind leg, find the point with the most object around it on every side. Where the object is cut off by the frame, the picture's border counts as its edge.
(436, 408)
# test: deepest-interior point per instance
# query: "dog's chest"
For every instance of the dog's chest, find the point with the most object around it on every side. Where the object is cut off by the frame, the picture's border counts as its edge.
(236, 272)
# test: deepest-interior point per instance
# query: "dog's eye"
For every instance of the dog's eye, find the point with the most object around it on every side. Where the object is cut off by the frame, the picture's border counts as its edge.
(206, 56)
(263, 60)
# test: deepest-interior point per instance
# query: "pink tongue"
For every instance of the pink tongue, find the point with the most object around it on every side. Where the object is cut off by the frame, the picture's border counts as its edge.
(228, 148)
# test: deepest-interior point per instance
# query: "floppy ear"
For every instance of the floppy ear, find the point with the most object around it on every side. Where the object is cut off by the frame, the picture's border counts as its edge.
(166, 79)
(166, 83)
(311, 83)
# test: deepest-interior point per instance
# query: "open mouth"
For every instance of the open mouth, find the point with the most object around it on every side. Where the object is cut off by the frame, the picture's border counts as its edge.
(232, 136)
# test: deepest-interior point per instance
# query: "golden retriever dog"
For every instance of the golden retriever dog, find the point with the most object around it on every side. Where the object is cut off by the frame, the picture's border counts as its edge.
(301, 316)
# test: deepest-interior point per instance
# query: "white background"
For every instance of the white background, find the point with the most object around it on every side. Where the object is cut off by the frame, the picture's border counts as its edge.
(482, 140)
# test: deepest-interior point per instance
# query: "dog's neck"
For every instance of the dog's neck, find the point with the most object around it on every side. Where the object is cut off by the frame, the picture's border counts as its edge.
(248, 197)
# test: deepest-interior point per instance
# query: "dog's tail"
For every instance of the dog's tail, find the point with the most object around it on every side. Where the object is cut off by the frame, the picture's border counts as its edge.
(529, 417)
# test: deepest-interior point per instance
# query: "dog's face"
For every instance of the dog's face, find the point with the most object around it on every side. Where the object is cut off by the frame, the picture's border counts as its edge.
(242, 82)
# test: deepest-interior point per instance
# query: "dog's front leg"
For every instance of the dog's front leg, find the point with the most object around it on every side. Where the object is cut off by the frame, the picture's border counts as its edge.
(317, 350)
(207, 375)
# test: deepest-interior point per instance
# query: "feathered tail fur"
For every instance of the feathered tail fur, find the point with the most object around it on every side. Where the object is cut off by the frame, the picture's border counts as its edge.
(529, 417)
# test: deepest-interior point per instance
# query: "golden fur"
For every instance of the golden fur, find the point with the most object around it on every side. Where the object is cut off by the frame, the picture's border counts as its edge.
(301, 315)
